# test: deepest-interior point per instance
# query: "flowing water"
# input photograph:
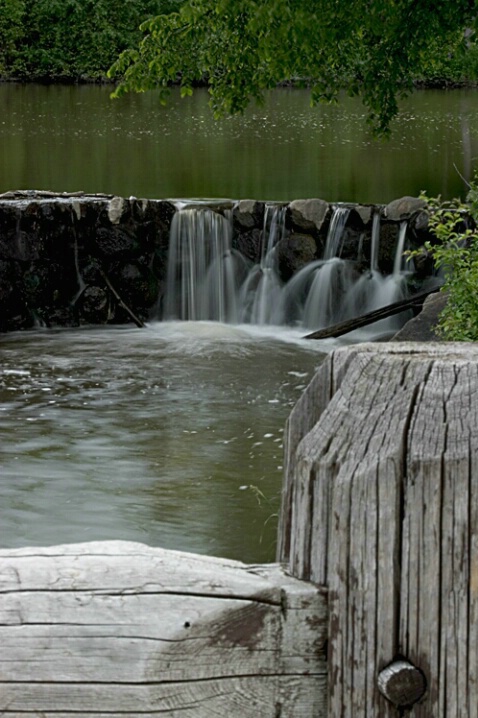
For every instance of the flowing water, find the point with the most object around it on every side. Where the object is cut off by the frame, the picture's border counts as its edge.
(171, 435)
(209, 280)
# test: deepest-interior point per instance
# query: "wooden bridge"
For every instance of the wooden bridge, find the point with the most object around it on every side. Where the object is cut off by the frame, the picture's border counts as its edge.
(370, 612)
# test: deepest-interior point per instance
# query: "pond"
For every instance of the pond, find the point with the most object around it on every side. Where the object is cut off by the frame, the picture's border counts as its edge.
(75, 138)
(171, 435)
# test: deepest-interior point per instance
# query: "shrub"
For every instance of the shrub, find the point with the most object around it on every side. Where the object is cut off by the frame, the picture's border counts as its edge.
(455, 252)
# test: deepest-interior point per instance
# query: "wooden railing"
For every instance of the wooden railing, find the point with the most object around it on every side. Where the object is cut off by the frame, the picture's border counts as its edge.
(372, 612)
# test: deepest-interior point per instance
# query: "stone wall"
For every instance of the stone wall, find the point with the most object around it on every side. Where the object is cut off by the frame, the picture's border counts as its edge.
(62, 255)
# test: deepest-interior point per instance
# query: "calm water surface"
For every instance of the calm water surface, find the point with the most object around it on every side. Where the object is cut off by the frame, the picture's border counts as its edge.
(170, 435)
(76, 138)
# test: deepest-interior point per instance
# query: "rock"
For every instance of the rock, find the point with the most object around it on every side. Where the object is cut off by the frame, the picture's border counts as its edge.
(94, 305)
(115, 209)
(423, 263)
(249, 213)
(364, 212)
(307, 215)
(387, 246)
(403, 208)
(14, 313)
(248, 244)
(136, 285)
(420, 221)
(294, 253)
(116, 241)
(422, 328)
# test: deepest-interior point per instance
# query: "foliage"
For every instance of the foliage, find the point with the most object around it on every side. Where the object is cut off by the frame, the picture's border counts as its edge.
(458, 64)
(372, 48)
(11, 30)
(456, 253)
(69, 39)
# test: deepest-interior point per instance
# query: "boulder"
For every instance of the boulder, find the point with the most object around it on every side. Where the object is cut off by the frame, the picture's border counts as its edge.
(307, 215)
(248, 243)
(364, 213)
(294, 253)
(403, 208)
(249, 213)
(94, 305)
(422, 328)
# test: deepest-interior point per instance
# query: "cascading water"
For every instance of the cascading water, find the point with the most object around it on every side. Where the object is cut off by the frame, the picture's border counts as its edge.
(375, 242)
(373, 290)
(203, 270)
(261, 292)
(208, 280)
(335, 234)
(399, 254)
(315, 296)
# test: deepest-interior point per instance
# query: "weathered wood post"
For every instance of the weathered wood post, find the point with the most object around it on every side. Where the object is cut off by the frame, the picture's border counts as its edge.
(381, 506)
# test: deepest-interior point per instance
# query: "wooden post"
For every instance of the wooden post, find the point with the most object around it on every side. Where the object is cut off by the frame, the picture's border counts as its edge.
(381, 506)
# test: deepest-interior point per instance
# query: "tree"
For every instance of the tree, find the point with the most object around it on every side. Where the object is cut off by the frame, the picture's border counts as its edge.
(68, 39)
(11, 30)
(371, 48)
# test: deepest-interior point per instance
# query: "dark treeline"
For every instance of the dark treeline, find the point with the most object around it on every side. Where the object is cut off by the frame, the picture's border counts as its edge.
(69, 40)
(75, 40)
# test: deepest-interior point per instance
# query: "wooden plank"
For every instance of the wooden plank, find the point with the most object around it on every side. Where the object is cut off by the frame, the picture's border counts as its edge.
(125, 629)
(239, 696)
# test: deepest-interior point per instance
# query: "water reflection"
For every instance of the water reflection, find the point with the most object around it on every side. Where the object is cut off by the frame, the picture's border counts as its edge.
(76, 138)
(154, 435)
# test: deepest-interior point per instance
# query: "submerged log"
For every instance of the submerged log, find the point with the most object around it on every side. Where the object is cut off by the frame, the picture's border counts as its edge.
(349, 325)
(122, 629)
(381, 506)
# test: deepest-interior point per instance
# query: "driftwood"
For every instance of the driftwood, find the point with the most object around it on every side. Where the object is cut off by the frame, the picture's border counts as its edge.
(122, 629)
(381, 506)
(120, 301)
(349, 325)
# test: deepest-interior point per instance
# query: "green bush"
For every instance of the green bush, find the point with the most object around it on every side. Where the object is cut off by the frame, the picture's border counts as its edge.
(455, 252)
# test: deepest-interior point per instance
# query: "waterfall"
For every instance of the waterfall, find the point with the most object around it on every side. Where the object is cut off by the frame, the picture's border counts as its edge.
(208, 280)
(261, 293)
(202, 271)
(315, 296)
(375, 241)
(373, 290)
(399, 258)
(335, 234)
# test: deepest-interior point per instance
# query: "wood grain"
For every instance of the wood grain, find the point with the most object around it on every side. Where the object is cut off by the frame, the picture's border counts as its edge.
(382, 496)
(124, 629)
